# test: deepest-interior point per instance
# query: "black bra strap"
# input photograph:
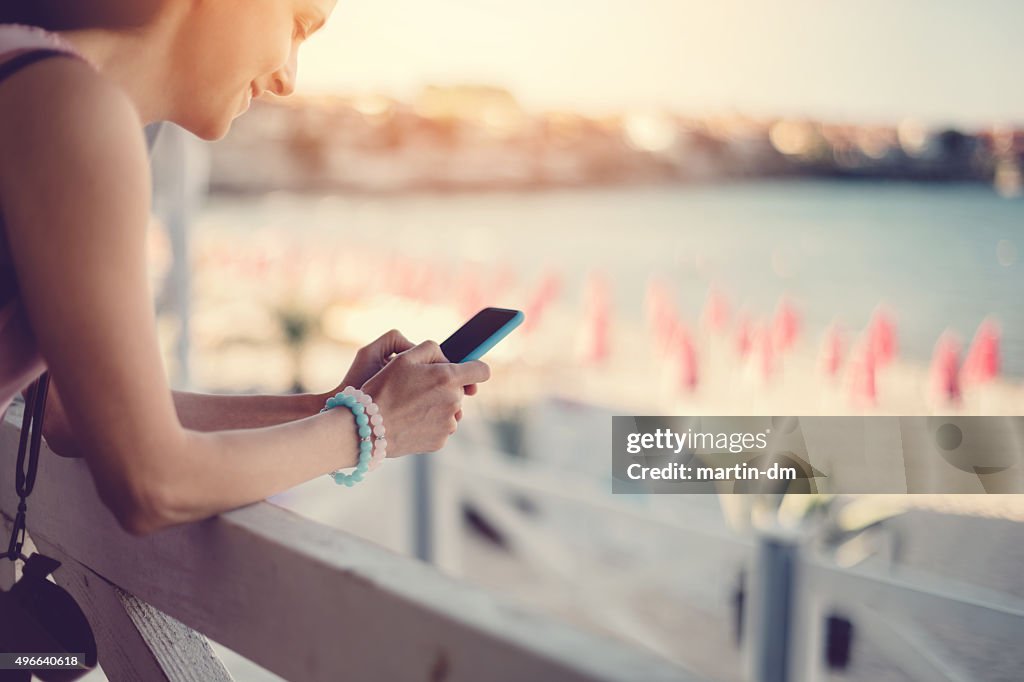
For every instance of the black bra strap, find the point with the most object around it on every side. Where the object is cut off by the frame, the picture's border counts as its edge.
(12, 66)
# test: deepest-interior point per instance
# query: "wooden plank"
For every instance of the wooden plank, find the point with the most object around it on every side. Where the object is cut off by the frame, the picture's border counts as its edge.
(491, 469)
(909, 647)
(992, 614)
(310, 602)
(134, 640)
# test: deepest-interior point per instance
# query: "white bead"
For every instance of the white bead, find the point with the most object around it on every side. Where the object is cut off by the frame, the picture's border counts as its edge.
(349, 390)
(372, 409)
(382, 445)
(376, 420)
(379, 430)
(365, 399)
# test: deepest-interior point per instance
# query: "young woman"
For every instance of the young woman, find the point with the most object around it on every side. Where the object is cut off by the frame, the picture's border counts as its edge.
(74, 204)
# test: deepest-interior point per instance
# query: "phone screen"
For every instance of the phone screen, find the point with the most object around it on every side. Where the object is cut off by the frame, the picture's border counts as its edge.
(480, 327)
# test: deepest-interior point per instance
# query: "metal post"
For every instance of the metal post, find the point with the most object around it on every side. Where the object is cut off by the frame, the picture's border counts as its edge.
(180, 175)
(770, 592)
(422, 506)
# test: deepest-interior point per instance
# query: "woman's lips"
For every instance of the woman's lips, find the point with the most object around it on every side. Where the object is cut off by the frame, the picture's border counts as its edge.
(250, 94)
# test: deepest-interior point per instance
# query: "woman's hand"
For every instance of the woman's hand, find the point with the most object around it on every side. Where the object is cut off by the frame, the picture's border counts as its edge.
(420, 395)
(372, 358)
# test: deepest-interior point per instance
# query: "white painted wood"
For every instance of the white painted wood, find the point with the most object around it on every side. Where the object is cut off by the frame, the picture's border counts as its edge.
(447, 523)
(918, 655)
(992, 614)
(183, 654)
(313, 603)
(134, 640)
(491, 470)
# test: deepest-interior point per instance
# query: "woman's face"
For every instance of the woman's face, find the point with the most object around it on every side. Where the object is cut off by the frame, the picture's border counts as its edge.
(235, 50)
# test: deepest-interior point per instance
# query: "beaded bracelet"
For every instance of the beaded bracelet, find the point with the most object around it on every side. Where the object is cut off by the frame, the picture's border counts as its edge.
(368, 422)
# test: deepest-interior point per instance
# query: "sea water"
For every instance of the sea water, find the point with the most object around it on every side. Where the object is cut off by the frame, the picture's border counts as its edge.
(939, 256)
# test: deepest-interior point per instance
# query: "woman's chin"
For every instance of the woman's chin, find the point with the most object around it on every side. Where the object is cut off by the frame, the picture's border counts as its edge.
(210, 129)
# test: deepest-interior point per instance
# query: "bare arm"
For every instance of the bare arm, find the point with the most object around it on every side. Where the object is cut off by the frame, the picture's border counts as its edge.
(196, 411)
(74, 188)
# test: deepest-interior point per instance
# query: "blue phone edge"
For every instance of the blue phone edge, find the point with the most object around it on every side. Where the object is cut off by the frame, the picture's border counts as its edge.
(492, 340)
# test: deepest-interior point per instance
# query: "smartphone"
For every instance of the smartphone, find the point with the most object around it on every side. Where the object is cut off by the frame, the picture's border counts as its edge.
(483, 331)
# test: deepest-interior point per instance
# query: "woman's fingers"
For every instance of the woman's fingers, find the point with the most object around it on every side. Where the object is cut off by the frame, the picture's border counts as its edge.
(391, 343)
(471, 389)
(472, 372)
(427, 352)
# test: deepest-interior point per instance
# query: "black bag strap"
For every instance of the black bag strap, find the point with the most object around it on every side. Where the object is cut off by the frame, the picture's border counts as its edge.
(16, 64)
(28, 443)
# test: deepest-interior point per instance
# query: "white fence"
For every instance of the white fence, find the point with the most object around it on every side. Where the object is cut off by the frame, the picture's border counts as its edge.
(303, 600)
(309, 602)
(791, 588)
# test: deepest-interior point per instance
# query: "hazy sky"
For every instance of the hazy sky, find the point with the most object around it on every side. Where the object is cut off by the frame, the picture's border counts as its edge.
(868, 60)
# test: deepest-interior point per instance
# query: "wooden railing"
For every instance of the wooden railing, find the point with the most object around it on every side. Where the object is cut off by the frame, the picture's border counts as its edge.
(303, 600)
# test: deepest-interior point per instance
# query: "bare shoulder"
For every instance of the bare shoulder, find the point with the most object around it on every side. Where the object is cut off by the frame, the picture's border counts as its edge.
(63, 121)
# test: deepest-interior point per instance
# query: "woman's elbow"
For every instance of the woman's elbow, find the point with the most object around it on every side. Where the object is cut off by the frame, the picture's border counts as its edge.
(142, 507)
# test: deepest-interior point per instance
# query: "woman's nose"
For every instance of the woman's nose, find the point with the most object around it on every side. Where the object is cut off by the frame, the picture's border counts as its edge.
(283, 80)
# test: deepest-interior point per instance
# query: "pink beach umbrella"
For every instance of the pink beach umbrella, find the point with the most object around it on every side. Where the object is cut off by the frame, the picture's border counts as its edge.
(687, 354)
(765, 347)
(471, 287)
(504, 281)
(655, 299)
(944, 376)
(716, 312)
(863, 366)
(882, 336)
(832, 351)
(785, 325)
(744, 336)
(598, 320)
(547, 291)
(431, 283)
(660, 313)
(665, 329)
(982, 362)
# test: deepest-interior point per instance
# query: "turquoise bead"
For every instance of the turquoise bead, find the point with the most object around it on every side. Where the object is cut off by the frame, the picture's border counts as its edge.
(364, 430)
